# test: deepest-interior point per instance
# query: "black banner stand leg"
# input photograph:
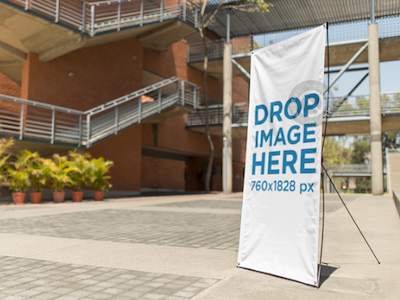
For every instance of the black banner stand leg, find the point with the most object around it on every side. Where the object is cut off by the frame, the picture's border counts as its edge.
(337, 192)
(322, 155)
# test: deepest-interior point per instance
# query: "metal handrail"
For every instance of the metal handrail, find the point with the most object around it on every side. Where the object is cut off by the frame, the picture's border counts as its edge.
(92, 18)
(41, 105)
(390, 104)
(30, 119)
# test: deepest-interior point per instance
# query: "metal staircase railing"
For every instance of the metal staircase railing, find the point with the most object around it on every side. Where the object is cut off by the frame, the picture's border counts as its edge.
(92, 18)
(31, 120)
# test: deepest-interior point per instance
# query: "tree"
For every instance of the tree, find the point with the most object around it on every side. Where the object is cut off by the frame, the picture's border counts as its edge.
(335, 152)
(391, 140)
(206, 18)
(361, 150)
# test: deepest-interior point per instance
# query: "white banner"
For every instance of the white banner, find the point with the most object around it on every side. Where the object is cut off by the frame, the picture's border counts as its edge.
(280, 215)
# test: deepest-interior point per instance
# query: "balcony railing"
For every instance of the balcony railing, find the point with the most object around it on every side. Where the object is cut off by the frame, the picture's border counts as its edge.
(25, 119)
(215, 49)
(92, 18)
(354, 106)
(356, 31)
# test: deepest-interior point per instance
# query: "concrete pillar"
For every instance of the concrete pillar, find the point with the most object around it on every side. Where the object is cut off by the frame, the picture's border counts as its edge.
(375, 110)
(226, 127)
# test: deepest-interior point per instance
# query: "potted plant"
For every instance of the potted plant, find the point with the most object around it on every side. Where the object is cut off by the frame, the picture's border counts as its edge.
(4, 144)
(79, 172)
(39, 171)
(98, 177)
(18, 177)
(59, 177)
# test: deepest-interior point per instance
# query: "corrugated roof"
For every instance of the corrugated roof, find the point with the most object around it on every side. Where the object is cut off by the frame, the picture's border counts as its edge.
(289, 14)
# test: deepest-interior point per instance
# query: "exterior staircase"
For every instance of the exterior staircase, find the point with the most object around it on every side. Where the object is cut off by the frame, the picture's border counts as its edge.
(45, 123)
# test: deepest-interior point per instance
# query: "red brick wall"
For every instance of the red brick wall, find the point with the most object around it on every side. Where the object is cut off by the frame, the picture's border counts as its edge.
(174, 63)
(163, 174)
(125, 150)
(9, 87)
(105, 72)
(240, 90)
(195, 174)
(101, 74)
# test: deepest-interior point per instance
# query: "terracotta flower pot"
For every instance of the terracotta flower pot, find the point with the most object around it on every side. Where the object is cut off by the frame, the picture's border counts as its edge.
(77, 196)
(98, 195)
(58, 197)
(36, 197)
(18, 198)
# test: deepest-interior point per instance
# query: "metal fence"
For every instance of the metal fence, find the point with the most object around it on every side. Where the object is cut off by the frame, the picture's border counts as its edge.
(353, 106)
(95, 17)
(359, 105)
(351, 168)
(387, 28)
(24, 119)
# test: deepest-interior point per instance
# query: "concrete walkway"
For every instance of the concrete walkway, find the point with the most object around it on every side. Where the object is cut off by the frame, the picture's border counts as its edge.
(183, 247)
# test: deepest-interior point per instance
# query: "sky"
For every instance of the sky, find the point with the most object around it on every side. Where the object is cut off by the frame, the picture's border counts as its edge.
(389, 75)
(389, 71)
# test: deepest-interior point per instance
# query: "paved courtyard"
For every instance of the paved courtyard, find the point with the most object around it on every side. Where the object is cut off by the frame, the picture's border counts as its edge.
(182, 247)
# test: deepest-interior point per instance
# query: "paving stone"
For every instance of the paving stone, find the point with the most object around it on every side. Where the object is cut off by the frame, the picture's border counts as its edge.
(132, 294)
(46, 296)
(66, 297)
(152, 296)
(29, 293)
(100, 296)
(163, 291)
(113, 291)
(184, 294)
(154, 284)
(81, 293)
(129, 226)
(62, 291)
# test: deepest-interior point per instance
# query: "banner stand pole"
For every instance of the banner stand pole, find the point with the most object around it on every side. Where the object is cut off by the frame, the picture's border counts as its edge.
(322, 160)
(330, 179)
(337, 192)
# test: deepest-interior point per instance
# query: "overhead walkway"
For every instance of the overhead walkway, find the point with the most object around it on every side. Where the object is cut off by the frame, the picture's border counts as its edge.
(26, 120)
(349, 117)
(52, 28)
(345, 41)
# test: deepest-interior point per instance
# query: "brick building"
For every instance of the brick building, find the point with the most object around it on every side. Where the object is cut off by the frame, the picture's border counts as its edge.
(59, 64)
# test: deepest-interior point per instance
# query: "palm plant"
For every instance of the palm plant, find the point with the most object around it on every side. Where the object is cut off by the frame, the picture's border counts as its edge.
(4, 145)
(38, 169)
(80, 169)
(18, 175)
(98, 177)
(59, 169)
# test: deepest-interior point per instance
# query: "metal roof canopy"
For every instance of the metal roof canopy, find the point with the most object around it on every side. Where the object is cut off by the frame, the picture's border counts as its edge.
(287, 15)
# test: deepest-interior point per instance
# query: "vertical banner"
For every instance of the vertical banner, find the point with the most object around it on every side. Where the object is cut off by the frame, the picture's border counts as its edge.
(280, 215)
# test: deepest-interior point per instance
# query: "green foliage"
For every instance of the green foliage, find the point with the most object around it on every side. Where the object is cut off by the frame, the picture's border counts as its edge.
(80, 170)
(18, 180)
(391, 140)
(335, 152)
(59, 173)
(17, 173)
(4, 145)
(261, 6)
(38, 170)
(361, 150)
(98, 177)
(362, 104)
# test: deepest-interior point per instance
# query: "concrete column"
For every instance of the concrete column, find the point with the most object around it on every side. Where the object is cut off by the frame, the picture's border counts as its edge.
(226, 127)
(375, 110)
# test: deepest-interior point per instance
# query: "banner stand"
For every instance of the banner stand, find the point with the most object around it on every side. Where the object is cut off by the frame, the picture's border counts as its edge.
(327, 175)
